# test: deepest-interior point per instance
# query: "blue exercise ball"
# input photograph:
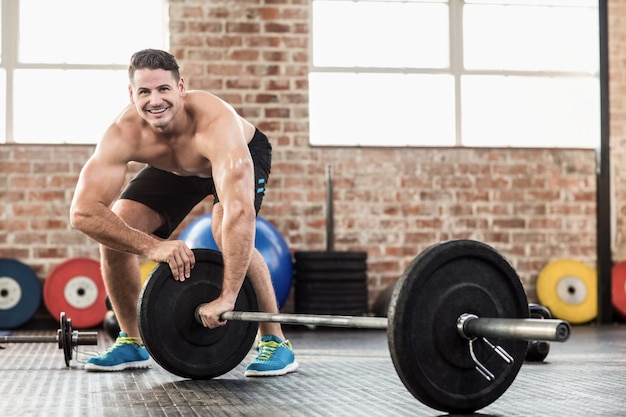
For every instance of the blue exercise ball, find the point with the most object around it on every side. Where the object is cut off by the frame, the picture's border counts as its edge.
(268, 241)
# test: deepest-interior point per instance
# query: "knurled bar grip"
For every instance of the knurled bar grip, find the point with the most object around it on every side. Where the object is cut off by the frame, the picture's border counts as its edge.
(309, 319)
(28, 339)
(81, 338)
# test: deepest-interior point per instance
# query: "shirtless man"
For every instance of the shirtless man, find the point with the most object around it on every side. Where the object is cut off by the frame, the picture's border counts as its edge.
(194, 145)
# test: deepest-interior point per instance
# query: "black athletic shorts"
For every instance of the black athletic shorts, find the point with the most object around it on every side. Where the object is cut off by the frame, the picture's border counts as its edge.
(174, 196)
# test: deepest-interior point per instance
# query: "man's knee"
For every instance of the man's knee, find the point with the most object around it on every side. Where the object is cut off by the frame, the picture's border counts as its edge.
(110, 257)
(138, 215)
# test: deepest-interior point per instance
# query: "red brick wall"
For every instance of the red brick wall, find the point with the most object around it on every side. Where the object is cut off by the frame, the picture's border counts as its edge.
(532, 205)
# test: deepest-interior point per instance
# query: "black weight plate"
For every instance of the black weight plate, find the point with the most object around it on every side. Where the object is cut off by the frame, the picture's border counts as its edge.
(430, 356)
(331, 276)
(170, 332)
(331, 288)
(319, 305)
(330, 261)
(325, 309)
(331, 256)
(537, 350)
(64, 336)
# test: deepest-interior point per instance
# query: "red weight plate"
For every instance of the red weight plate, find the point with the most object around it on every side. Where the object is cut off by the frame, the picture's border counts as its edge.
(618, 288)
(76, 288)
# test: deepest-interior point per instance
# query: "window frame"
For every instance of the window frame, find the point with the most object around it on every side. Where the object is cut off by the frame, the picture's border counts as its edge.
(456, 69)
(10, 63)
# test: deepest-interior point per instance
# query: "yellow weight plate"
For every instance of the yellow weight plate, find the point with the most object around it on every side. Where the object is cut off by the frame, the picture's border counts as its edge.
(146, 268)
(569, 289)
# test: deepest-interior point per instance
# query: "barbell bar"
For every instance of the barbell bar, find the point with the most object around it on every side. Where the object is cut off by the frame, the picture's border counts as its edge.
(305, 319)
(450, 299)
(66, 338)
(468, 325)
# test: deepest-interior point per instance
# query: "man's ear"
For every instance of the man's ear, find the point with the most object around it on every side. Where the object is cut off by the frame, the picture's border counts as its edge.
(130, 94)
(181, 87)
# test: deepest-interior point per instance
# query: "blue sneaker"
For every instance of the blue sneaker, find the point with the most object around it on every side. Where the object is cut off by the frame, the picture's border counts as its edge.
(275, 358)
(126, 353)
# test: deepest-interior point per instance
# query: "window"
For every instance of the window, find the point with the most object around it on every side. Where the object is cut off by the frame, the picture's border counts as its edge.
(493, 73)
(63, 69)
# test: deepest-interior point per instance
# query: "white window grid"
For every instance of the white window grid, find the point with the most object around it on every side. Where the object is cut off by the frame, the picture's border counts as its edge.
(456, 68)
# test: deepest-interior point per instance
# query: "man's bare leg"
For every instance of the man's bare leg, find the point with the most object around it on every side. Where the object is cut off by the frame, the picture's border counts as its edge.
(122, 279)
(120, 271)
(259, 275)
(274, 358)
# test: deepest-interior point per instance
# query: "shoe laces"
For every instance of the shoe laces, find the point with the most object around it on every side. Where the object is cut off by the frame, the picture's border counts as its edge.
(124, 340)
(267, 349)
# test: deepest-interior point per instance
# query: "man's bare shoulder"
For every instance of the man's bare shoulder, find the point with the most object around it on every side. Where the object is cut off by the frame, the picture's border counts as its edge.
(202, 96)
(127, 137)
(208, 110)
(206, 104)
(128, 120)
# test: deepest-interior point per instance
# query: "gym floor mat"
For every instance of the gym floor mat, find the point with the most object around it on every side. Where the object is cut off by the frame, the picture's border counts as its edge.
(343, 372)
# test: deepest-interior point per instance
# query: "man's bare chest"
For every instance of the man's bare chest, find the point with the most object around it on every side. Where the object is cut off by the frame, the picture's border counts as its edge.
(180, 160)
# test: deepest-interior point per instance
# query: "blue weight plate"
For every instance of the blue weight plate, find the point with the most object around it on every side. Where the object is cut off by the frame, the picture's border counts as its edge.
(20, 293)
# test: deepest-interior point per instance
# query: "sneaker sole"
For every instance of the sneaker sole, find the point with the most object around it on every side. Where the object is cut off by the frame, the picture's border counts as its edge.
(278, 372)
(120, 367)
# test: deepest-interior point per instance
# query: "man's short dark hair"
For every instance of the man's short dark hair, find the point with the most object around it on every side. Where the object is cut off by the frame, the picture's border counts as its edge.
(153, 59)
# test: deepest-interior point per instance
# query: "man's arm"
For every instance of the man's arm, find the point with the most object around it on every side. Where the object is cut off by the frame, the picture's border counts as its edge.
(233, 174)
(99, 183)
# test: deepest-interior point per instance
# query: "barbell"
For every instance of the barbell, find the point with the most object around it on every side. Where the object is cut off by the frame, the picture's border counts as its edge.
(458, 324)
(66, 338)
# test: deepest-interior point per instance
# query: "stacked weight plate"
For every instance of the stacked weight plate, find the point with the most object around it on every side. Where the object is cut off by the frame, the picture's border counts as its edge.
(331, 282)
(76, 287)
(20, 293)
(618, 288)
(568, 288)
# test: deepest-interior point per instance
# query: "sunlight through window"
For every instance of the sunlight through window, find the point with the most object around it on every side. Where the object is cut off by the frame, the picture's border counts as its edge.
(494, 73)
(73, 67)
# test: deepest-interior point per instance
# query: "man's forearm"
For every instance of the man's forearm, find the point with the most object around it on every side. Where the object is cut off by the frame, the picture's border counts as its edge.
(237, 246)
(106, 228)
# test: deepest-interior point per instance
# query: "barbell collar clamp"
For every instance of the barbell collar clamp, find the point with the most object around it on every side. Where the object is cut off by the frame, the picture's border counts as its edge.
(84, 338)
(471, 326)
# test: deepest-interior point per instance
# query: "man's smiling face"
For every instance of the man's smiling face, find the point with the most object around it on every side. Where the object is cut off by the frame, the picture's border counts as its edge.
(156, 95)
